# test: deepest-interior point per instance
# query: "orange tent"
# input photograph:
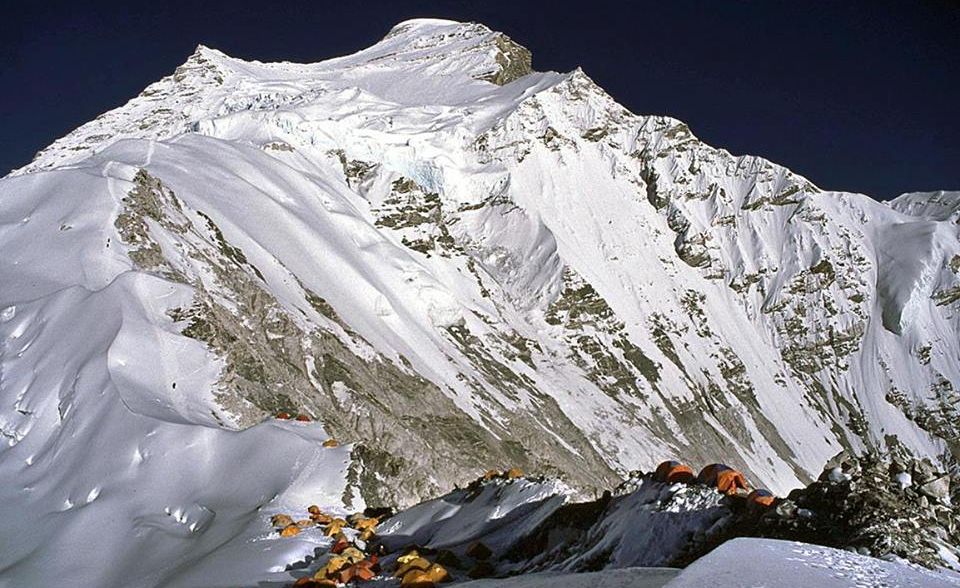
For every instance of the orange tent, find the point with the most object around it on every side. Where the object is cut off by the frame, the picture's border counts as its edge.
(308, 582)
(761, 497)
(672, 471)
(730, 481)
(708, 475)
(359, 571)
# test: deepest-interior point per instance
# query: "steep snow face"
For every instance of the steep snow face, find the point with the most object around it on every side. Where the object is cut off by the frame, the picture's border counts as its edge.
(114, 446)
(455, 263)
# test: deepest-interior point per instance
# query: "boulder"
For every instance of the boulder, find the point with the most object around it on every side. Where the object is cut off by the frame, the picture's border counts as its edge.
(841, 467)
(924, 471)
(483, 569)
(448, 558)
(478, 550)
(787, 509)
(937, 489)
(381, 513)
(903, 479)
(834, 475)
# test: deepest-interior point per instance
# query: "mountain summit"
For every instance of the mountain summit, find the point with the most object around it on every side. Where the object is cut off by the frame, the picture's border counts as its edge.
(447, 262)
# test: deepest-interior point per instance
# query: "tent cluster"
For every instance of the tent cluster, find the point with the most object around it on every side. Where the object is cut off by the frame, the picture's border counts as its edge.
(511, 474)
(352, 559)
(415, 569)
(358, 556)
(419, 572)
(286, 416)
(717, 475)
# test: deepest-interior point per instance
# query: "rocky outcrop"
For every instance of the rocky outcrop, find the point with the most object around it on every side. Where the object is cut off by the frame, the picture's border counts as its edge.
(877, 505)
(515, 61)
(888, 506)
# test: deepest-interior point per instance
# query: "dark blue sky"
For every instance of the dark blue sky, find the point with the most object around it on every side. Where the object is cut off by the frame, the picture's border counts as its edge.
(861, 96)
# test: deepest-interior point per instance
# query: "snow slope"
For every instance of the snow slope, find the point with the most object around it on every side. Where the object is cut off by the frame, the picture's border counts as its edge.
(103, 461)
(750, 563)
(941, 205)
(452, 262)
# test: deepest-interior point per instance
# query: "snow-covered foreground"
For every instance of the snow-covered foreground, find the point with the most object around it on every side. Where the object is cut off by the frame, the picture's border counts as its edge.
(450, 262)
(755, 563)
(750, 563)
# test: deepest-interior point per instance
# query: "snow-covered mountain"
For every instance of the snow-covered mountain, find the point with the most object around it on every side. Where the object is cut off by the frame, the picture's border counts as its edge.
(450, 262)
